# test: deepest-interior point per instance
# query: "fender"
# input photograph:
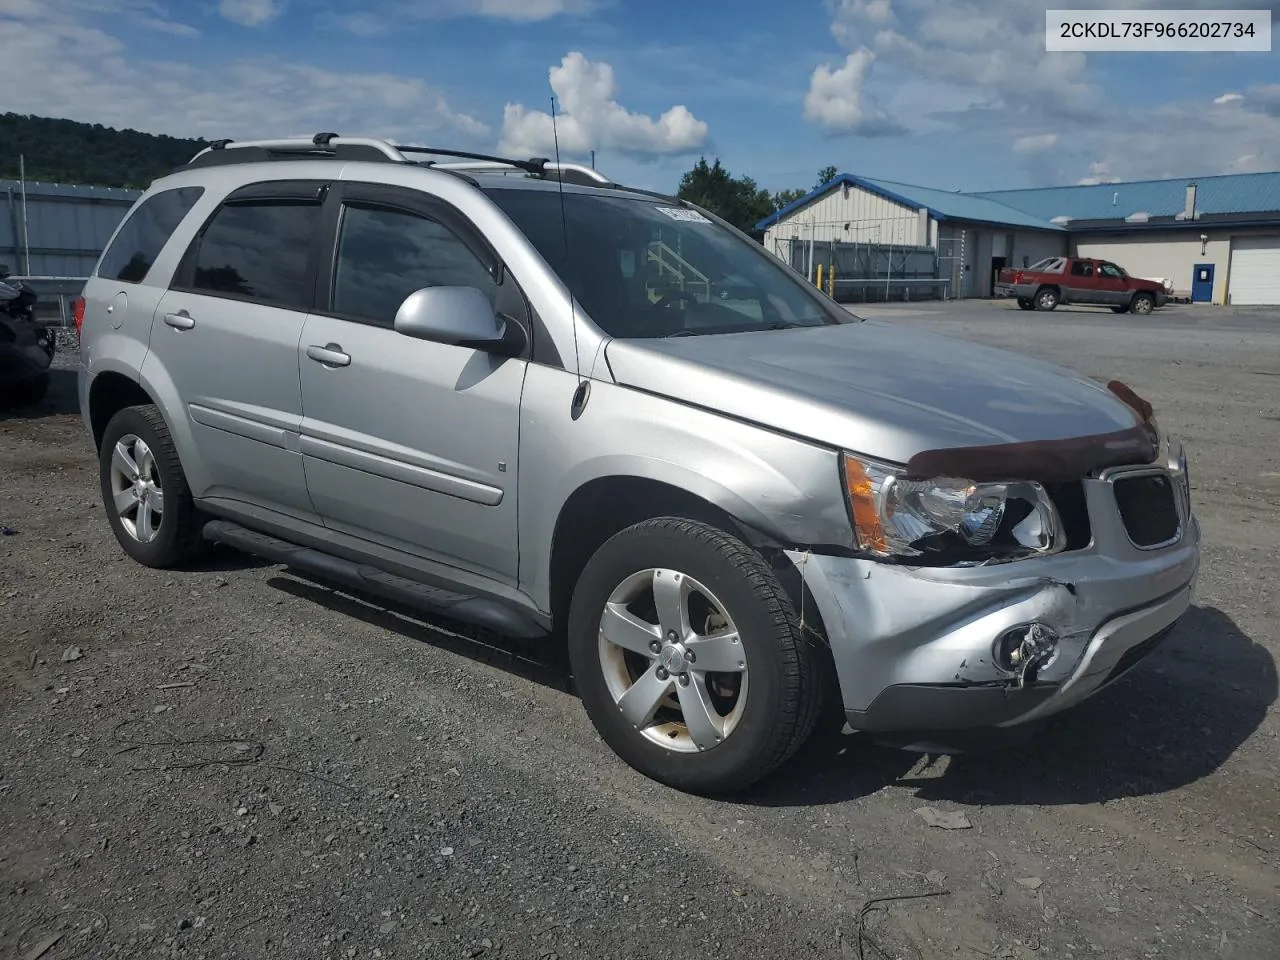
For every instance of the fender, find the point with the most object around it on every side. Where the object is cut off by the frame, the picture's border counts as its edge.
(785, 489)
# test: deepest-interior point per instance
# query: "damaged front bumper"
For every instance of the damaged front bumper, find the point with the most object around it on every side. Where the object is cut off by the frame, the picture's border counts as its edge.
(928, 649)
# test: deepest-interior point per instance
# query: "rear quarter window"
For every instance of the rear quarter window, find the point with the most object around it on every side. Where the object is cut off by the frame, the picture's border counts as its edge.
(146, 230)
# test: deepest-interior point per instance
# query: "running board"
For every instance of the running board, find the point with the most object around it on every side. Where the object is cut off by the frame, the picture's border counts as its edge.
(476, 611)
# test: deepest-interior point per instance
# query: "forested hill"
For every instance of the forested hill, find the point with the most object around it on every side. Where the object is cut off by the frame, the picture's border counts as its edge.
(65, 151)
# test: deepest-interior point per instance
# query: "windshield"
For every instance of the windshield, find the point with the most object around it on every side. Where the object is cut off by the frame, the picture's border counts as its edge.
(644, 268)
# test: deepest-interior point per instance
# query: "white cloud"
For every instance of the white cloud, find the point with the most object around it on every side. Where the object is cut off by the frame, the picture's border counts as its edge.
(837, 102)
(588, 117)
(979, 69)
(528, 11)
(1099, 172)
(251, 13)
(1035, 143)
(149, 14)
(245, 98)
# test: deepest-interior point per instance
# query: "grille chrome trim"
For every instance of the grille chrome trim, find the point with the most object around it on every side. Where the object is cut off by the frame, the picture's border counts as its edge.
(1115, 474)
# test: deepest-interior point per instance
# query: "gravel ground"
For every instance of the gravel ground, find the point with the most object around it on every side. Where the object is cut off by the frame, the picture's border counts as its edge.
(237, 762)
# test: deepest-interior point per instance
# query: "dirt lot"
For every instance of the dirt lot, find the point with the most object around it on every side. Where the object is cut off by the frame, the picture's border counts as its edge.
(236, 762)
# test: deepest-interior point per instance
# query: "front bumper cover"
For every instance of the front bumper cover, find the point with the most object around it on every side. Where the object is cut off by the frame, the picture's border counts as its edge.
(914, 647)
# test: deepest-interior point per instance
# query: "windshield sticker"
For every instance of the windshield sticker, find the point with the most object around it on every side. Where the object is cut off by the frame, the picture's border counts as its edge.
(688, 216)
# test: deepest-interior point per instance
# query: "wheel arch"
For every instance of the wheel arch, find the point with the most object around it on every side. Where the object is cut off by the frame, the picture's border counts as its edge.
(604, 506)
(109, 393)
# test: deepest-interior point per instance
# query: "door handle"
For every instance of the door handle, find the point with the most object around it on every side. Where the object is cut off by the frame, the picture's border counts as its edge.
(330, 355)
(180, 320)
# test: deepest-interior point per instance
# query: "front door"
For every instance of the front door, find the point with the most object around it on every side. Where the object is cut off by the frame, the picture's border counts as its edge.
(1113, 287)
(227, 331)
(406, 442)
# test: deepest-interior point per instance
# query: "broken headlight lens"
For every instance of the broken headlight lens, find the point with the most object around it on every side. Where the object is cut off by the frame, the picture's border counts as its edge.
(948, 520)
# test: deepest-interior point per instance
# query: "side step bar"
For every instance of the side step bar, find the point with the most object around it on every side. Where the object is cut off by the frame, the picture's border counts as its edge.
(476, 611)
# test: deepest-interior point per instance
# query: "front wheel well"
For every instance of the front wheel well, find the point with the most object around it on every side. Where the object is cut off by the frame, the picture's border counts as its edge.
(606, 506)
(108, 395)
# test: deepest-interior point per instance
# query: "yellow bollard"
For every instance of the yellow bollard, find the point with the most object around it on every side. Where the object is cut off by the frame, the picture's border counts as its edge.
(819, 283)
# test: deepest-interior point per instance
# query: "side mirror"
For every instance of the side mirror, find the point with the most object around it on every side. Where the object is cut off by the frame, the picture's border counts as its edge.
(460, 316)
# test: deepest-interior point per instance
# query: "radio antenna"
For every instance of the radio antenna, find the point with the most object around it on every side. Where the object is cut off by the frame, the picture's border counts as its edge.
(579, 395)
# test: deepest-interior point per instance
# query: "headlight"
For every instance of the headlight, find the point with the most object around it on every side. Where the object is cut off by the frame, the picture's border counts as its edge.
(1176, 464)
(948, 519)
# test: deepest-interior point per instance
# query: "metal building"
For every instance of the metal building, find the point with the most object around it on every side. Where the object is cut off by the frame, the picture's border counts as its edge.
(894, 240)
(1217, 239)
(54, 233)
(1214, 240)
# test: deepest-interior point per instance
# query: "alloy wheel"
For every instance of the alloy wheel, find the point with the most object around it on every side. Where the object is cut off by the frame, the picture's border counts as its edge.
(136, 492)
(673, 660)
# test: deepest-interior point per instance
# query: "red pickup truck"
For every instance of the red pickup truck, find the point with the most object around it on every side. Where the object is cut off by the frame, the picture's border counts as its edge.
(1044, 285)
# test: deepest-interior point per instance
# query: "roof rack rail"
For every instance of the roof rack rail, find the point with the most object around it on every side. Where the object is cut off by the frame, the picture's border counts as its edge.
(321, 146)
(334, 146)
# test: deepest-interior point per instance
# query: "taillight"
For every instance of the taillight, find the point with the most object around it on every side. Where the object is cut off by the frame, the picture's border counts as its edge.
(78, 314)
(1017, 277)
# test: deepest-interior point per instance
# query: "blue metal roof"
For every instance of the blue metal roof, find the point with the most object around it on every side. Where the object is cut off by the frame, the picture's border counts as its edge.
(1232, 193)
(1241, 193)
(942, 205)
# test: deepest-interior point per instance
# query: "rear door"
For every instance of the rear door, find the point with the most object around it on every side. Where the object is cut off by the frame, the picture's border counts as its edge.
(226, 333)
(409, 443)
(1081, 282)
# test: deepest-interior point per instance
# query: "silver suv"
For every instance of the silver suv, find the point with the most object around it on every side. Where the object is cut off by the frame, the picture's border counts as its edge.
(535, 401)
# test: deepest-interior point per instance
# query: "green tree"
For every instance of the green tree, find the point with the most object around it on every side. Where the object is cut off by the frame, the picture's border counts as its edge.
(783, 197)
(66, 151)
(826, 175)
(737, 199)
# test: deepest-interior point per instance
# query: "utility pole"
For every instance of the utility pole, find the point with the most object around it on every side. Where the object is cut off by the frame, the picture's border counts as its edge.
(26, 235)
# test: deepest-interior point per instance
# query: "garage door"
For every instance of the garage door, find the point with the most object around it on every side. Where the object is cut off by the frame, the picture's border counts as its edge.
(1255, 271)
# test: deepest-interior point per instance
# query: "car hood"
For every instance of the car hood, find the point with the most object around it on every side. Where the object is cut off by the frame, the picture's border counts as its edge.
(873, 388)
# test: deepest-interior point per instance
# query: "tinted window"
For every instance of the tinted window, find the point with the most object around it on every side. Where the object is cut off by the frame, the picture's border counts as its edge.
(1080, 268)
(259, 251)
(385, 255)
(655, 269)
(144, 234)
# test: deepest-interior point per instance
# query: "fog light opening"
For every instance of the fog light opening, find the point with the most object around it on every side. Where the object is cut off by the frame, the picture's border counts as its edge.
(1023, 651)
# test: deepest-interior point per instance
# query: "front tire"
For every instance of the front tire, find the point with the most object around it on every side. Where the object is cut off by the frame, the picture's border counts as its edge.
(145, 492)
(690, 659)
(1143, 304)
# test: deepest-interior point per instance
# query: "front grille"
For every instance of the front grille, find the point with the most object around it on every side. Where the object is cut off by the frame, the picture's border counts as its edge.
(1147, 508)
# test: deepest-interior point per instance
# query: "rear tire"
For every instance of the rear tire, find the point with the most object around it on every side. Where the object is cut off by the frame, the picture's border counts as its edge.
(27, 393)
(1124, 309)
(1047, 298)
(145, 492)
(1026, 304)
(722, 730)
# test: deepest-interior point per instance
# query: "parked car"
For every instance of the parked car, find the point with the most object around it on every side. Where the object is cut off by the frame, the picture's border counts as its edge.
(448, 386)
(27, 345)
(1072, 280)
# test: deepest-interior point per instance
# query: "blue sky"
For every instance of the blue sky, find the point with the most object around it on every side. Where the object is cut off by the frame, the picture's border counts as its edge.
(956, 94)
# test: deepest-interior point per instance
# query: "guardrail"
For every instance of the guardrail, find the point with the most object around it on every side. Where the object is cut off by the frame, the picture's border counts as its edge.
(63, 298)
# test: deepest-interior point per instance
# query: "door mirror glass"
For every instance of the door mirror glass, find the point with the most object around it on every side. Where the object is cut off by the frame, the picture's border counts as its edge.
(461, 316)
